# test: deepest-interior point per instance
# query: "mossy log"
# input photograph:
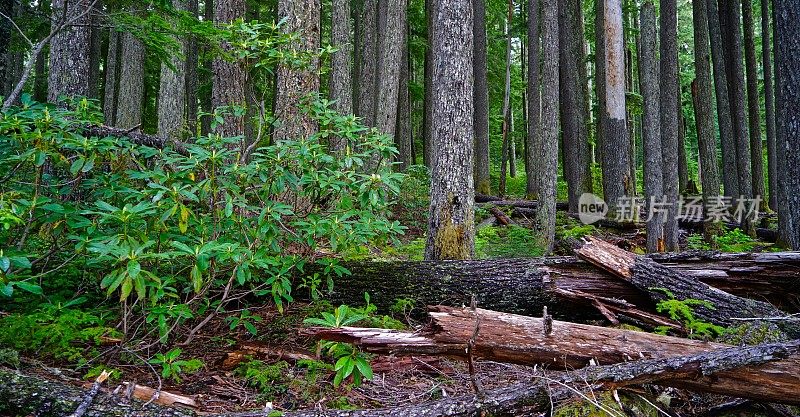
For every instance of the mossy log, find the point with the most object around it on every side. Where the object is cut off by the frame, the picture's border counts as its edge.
(28, 395)
(524, 286)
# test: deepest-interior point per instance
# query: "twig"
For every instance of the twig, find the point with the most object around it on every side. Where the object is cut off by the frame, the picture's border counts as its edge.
(476, 384)
(87, 400)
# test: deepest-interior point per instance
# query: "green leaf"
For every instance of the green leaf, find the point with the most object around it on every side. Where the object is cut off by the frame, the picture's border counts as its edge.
(127, 287)
(7, 289)
(364, 367)
(31, 288)
(134, 268)
(5, 263)
(250, 328)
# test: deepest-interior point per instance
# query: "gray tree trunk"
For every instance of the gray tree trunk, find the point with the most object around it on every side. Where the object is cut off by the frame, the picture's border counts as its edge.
(130, 99)
(616, 180)
(769, 110)
(512, 146)
(191, 80)
(651, 122)
(95, 49)
(368, 63)
(341, 81)
(6, 7)
(229, 77)
(172, 92)
(112, 77)
(753, 100)
(600, 82)
(787, 73)
(533, 140)
(69, 53)
(295, 85)
(548, 176)
(40, 79)
(481, 99)
(403, 137)
(451, 224)
(702, 91)
(506, 126)
(427, 120)
(683, 160)
(730, 178)
(669, 116)
(391, 56)
(572, 102)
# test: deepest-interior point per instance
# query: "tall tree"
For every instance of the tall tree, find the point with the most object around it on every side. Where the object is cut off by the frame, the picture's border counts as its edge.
(191, 79)
(669, 116)
(95, 48)
(341, 81)
(651, 130)
(368, 62)
(403, 137)
(702, 91)
(69, 52)
(481, 98)
(600, 79)
(172, 92)
(295, 84)
(112, 77)
(427, 121)
(391, 55)
(229, 76)
(451, 222)
(130, 100)
(769, 107)
(6, 8)
(730, 178)
(616, 180)
(506, 128)
(533, 140)
(787, 74)
(753, 99)
(546, 213)
(572, 98)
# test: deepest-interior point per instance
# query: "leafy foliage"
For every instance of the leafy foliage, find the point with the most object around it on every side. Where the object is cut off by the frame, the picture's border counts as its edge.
(683, 311)
(734, 241)
(172, 367)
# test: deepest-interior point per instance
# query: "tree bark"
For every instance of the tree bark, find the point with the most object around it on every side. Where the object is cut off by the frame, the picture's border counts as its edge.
(229, 77)
(769, 105)
(172, 92)
(131, 83)
(787, 40)
(341, 80)
(368, 63)
(6, 29)
(403, 137)
(533, 140)
(112, 77)
(651, 122)
(730, 179)
(451, 225)
(191, 80)
(704, 119)
(295, 85)
(669, 117)
(481, 99)
(95, 49)
(69, 52)
(391, 55)
(548, 176)
(600, 83)
(506, 130)
(616, 180)
(427, 120)
(753, 99)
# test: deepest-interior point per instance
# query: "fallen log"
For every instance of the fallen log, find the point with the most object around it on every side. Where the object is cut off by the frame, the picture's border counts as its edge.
(524, 286)
(28, 395)
(522, 340)
(136, 137)
(656, 280)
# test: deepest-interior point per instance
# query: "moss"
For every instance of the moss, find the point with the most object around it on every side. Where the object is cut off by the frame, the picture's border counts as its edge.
(484, 187)
(451, 238)
(636, 406)
(752, 334)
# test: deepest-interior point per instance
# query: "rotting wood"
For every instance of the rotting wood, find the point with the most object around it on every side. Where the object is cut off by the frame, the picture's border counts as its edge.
(262, 350)
(655, 279)
(518, 339)
(143, 393)
(501, 217)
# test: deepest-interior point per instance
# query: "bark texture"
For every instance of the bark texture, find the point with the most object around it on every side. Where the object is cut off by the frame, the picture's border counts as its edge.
(229, 75)
(451, 225)
(668, 97)
(505, 145)
(787, 37)
(533, 141)
(131, 83)
(368, 62)
(753, 100)
(341, 81)
(69, 52)
(651, 122)
(769, 105)
(481, 99)
(548, 176)
(403, 138)
(112, 77)
(427, 120)
(191, 79)
(6, 7)
(391, 56)
(172, 92)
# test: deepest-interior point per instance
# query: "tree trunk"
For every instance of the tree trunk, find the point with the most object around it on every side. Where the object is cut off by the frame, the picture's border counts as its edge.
(572, 102)
(787, 67)
(753, 99)
(229, 78)
(616, 175)
(95, 49)
(683, 160)
(131, 83)
(510, 338)
(512, 146)
(112, 77)
(769, 111)
(368, 63)
(171, 96)
(69, 52)
(704, 119)
(506, 131)
(548, 175)
(191, 79)
(600, 83)
(427, 120)
(40, 79)
(481, 99)
(730, 179)
(651, 122)
(391, 55)
(669, 117)
(533, 140)
(341, 81)
(451, 224)
(403, 137)
(730, 18)
(6, 29)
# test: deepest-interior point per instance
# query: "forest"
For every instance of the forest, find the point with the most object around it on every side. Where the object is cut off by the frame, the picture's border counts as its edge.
(242, 208)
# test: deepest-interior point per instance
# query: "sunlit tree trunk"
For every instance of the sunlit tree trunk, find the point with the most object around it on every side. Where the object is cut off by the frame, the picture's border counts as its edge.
(546, 213)
(69, 52)
(130, 100)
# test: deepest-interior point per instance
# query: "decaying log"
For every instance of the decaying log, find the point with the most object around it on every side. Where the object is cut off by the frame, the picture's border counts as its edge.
(262, 350)
(517, 339)
(524, 286)
(655, 279)
(501, 217)
(136, 137)
(143, 393)
(30, 395)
